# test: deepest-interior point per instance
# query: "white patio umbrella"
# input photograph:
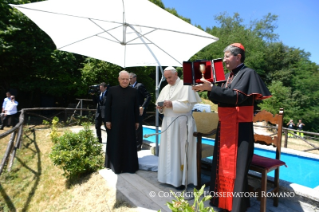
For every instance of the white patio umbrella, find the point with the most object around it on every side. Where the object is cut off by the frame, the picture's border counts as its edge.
(124, 32)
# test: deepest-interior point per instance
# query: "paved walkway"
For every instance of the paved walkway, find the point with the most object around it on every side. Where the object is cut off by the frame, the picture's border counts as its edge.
(144, 191)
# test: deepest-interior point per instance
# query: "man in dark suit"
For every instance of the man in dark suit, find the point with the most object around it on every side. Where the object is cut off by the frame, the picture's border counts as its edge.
(144, 98)
(100, 101)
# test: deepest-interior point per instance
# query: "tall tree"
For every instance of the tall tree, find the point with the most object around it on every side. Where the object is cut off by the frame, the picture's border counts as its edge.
(29, 63)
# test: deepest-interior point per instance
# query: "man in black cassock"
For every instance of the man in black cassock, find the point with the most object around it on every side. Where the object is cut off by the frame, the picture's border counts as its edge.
(122, 117)
(234, 143)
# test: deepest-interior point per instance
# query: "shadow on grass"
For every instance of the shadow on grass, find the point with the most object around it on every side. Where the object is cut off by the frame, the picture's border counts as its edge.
(7, 200)
(37, 173)
(77, 180)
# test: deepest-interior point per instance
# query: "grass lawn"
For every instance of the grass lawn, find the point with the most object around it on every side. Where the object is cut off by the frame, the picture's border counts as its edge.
(35, 184)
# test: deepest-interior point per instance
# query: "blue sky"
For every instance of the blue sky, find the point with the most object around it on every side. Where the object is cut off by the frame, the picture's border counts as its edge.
(297, 24)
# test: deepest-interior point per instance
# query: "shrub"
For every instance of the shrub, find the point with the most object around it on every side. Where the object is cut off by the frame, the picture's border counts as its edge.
(54, 134)
(77, 153)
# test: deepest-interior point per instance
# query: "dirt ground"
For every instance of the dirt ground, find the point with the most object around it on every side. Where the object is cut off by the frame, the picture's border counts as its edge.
(300, 145)
(292, 143)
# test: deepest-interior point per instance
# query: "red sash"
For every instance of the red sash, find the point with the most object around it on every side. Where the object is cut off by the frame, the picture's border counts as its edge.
(229, 118)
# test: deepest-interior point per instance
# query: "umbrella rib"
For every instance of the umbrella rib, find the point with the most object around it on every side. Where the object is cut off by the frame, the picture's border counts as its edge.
(70, 44)
(106, 39)
(154, 45)
(212, 37)
(107, 30)
(55, 13)
(140, 35)
(131, 44)
(180, 32)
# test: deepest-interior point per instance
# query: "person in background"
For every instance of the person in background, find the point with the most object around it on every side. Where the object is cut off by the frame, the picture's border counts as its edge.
(10, 112)
(234, 144)
(100, 102)
(290, 125)
(8, 98)
(177, 154)
(144, 98)
(122, 120)
(300, 126)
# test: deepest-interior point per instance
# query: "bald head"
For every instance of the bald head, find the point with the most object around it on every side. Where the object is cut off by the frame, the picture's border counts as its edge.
(124, 79)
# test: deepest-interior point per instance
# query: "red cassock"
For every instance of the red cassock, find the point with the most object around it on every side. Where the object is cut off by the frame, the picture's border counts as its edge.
(234, 143)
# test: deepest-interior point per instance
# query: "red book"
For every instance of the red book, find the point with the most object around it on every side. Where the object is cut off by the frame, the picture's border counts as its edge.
(214, 71)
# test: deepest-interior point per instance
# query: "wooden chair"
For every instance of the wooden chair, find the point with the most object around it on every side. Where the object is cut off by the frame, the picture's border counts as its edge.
(265, 165)
(206, 124)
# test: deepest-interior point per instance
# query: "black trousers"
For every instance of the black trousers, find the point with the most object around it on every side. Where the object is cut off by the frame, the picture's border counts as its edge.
(98, 123)
(139, 131)
(10, 118)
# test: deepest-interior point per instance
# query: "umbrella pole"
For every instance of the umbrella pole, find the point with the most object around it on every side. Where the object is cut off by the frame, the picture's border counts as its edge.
(157, 87)
(156, 112)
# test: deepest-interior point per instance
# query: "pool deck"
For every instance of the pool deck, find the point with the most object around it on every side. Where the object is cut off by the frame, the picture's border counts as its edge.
(145, 193)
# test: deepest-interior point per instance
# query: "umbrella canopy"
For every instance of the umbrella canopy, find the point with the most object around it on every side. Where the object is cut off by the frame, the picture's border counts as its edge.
(127, 33)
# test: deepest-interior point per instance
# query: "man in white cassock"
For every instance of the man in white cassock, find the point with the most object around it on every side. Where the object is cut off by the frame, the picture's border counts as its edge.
(178, 101)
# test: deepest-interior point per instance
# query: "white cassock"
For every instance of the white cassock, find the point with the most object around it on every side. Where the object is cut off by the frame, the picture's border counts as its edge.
(172, 155)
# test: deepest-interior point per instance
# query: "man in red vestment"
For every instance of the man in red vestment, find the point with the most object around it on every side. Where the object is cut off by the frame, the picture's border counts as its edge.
(234, 143)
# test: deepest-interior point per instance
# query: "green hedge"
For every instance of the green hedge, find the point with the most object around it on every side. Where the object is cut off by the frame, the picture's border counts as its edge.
(77, 153)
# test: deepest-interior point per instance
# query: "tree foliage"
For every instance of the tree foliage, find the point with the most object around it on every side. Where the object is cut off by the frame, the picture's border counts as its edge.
(29, 63)
(32, 67)
(287, 71)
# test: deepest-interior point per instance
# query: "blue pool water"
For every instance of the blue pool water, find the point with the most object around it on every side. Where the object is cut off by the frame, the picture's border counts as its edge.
(301, 170)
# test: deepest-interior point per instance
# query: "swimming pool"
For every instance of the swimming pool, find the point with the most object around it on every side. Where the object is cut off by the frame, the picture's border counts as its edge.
(301, 170)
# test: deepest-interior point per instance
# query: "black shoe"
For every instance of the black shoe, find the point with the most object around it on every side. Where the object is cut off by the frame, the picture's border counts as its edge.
(182, 187)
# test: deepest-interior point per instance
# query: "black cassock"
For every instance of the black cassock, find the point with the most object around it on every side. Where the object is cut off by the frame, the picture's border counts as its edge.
(122, 111)
(243, 88)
